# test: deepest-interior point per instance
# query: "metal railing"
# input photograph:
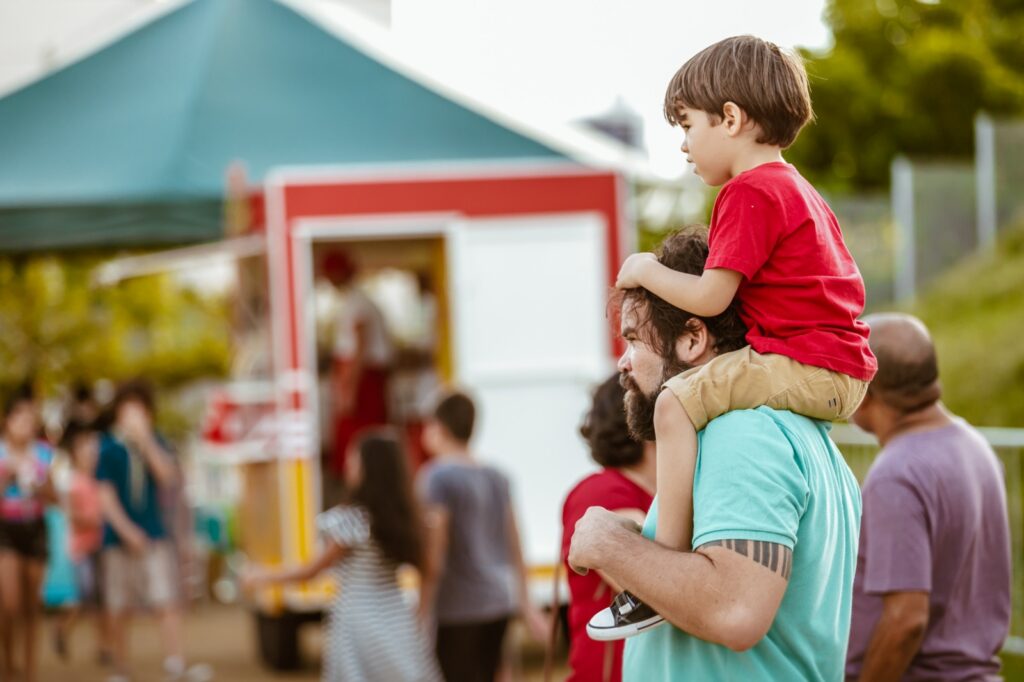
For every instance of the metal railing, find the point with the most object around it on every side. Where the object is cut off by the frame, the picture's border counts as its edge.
(860, 448)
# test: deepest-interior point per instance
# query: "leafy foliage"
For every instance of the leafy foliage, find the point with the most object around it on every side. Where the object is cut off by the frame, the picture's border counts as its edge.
(907, 77)
(57, 328)
(974, 313)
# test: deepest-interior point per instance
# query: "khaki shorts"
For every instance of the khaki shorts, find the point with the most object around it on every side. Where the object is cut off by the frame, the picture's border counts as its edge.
(745, 379)
(148, 580)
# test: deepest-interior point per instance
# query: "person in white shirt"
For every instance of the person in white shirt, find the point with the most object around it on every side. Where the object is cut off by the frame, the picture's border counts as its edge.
(363, 355)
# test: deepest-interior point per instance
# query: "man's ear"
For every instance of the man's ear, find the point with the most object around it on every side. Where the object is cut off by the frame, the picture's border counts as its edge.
(693, 343)
(735, 119)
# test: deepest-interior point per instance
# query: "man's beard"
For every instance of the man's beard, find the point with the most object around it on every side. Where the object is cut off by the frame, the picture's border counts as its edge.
(640, 406)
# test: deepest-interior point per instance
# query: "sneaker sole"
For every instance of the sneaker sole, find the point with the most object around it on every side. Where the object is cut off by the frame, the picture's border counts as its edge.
(623, 631)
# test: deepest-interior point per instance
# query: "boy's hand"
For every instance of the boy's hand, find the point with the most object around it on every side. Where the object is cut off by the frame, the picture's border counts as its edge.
(630, 272)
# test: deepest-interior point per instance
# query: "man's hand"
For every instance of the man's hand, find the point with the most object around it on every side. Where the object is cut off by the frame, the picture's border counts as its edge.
(630, 273)
(595, 535)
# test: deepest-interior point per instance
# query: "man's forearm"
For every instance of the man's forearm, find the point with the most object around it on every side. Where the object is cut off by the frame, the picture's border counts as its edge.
(684, 587)
(890, 652)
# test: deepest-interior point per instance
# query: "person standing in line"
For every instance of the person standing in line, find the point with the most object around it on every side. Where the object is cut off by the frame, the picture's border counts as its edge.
(372, 634)
(625, 485)
(139, 564)
(476, 577)
(27, 489)
(363, 356)
(932, 596)
(85, 539)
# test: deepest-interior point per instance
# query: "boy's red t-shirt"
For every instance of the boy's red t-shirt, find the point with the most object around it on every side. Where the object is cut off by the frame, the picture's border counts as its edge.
(801, 292)
(588, 593)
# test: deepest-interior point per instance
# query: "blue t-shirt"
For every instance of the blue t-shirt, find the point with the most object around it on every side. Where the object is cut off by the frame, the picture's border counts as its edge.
(136, 489)
(773, 476)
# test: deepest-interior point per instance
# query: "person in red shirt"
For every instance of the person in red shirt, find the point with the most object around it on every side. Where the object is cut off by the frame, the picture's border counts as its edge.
(776, 251)
(625, 485)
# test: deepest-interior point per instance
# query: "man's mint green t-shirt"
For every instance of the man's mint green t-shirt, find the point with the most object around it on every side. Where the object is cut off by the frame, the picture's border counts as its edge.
(775, 476)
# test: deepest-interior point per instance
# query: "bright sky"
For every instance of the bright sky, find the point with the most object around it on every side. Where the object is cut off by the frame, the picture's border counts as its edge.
(567, 59)
(553, 60)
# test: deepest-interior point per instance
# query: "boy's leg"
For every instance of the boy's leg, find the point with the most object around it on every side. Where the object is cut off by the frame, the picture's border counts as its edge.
(811, 391)
(119, 581)
(694, 398)
(676, 440)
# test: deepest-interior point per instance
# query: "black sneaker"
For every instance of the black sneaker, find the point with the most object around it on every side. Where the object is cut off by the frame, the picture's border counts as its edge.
(627, 616)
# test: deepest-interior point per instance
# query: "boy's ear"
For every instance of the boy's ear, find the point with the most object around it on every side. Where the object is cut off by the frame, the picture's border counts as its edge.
(734, 119)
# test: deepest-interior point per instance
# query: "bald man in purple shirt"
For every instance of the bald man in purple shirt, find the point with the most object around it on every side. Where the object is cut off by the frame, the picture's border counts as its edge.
(931, 598)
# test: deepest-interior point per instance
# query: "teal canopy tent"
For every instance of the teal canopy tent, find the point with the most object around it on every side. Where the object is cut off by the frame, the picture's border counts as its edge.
(129, 146)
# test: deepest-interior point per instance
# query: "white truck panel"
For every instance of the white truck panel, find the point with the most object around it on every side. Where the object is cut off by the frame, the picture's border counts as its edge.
(531, 340)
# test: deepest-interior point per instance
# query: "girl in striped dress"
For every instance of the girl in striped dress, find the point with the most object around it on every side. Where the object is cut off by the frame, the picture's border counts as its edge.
(372, 634)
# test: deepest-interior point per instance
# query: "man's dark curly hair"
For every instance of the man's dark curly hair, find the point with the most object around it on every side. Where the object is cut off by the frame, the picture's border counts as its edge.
(660, 323)
(604, 428)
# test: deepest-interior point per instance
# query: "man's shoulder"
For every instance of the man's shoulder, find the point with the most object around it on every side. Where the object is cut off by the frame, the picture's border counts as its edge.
(744, 433)
(763, 420)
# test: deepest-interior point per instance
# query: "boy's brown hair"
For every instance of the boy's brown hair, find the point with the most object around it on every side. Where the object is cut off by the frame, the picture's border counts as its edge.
(457, 414)
(768, 83)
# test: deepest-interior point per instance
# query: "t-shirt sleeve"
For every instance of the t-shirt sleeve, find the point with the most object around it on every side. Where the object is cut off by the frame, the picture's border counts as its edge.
(345, 526)
(744, 230)
(748, 484)
(432, 489)
(897, 546)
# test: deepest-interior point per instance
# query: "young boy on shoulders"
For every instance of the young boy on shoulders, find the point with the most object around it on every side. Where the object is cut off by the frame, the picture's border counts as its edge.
(777, 250)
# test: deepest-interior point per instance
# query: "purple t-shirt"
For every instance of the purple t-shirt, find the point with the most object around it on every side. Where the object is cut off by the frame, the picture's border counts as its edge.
(935, 521)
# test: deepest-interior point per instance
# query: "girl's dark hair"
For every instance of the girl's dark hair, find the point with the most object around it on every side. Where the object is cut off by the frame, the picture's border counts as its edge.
(386, 493)
(73, 432)
(22, 394)
(604, 428)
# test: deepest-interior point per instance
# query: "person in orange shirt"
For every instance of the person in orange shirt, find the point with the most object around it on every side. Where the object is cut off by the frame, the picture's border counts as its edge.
(85, 536)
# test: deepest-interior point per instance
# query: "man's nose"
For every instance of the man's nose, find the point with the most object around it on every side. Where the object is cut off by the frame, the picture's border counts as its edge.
(685, 147)
(623, 365)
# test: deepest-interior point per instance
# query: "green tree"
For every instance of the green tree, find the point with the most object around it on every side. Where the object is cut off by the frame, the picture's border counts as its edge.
(57, 327)
(907, 77)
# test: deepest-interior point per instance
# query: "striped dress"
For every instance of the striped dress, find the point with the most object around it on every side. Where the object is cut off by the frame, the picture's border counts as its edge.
(372, 634)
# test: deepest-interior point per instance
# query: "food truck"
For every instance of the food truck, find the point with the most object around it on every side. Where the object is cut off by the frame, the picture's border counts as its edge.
(520, 258)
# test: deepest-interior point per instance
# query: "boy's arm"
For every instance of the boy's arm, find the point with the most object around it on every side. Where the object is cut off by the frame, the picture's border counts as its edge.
(705, 296)
(436, 523)
(159, 460)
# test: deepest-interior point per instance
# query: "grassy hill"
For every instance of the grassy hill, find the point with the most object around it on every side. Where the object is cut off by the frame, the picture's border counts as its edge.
(976, 314)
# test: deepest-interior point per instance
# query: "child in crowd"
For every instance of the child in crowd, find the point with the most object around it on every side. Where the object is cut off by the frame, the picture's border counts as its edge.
(372, 634)
(777, 250)
(26, 488)
(85, 539)
(478, 581)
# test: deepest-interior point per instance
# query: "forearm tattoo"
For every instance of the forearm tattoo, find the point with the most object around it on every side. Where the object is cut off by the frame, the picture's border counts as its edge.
(773, 556)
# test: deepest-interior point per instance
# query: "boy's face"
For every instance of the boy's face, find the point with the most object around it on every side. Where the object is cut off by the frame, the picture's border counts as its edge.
(706, 145)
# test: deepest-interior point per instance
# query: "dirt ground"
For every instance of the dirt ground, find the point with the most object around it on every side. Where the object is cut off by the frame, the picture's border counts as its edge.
(222, 637)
